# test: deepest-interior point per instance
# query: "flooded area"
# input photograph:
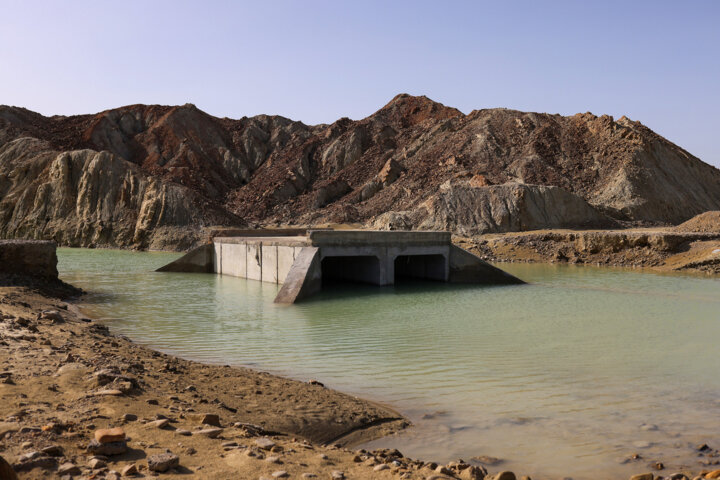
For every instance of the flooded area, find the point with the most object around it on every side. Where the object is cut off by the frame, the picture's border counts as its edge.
(570, 375)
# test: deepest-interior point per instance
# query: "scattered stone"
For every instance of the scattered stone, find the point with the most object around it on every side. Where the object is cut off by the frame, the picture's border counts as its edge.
(273, 459)
(643, 476)
(108, 435)
(443, 470)
(33, 460)
(68, 468)
(322, 456)
(210, 419)
(381, 467)
(315, 382)
(210, 432)
(308, 475)
(111, 448)
(97, 463)
(53, 451)
(129, 470)
(487, 460)
(264, 443)
(152, 401)
(163, 462)
(703, 448)
(129, 417)
(162, 423)
(53, 315)
(112, 392)
(505, 476)
(280, 474)
(185, 433)
(337, 475)
(473, 473)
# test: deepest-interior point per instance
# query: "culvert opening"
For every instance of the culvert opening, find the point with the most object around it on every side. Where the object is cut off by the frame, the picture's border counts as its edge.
(356, 269)
(427, 267)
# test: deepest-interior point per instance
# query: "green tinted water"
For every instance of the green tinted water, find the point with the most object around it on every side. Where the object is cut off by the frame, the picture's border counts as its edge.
(565, 376)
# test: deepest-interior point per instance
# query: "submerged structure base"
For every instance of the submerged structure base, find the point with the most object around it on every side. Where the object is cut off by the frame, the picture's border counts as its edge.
(301, 262)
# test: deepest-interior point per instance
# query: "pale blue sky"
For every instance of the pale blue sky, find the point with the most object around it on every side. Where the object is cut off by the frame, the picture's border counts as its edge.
(316, 61)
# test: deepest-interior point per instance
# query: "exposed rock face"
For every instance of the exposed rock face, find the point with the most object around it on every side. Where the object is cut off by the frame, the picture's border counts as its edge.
(155, 176)
(467, 209)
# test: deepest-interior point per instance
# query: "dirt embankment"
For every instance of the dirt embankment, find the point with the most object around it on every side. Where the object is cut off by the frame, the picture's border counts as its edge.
(691, 247)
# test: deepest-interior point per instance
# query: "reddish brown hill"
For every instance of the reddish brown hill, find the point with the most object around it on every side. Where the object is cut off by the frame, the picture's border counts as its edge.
(169, 171)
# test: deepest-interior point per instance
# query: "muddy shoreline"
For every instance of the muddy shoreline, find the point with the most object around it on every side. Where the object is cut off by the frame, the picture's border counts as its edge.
(657, 249)
(65, 376)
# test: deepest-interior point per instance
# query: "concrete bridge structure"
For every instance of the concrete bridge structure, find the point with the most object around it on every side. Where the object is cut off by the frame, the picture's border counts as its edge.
(302, 260)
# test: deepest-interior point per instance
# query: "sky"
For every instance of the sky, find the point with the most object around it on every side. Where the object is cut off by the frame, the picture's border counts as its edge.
(315, 61)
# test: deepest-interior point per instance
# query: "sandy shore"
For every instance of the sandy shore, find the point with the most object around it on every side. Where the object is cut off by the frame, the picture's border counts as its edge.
(64, 379)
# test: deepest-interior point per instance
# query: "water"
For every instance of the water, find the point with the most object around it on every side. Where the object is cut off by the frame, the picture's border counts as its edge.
(566, 376)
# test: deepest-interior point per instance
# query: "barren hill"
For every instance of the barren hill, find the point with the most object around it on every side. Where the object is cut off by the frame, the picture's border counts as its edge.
(154, 176)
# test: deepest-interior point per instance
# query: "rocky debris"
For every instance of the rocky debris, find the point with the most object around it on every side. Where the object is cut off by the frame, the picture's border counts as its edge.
(32, 460)
(504, 476)
(205, 419)
(163, 462)
(265, 443)
(108, 448)
(69, 468)
(149, 176)
(643, 476)
(708, 222)
(161, 423)
(52, 315)
(6, 471)
(210, 432)
(109, 435)
(129, 470)
(97, 463)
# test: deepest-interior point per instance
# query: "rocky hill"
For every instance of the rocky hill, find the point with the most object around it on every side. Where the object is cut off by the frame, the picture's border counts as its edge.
(154, 176)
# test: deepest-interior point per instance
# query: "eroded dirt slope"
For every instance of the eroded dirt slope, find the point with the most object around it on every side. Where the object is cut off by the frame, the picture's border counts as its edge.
(150, 176)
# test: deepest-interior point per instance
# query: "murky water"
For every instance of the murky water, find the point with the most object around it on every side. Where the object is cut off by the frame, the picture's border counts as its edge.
(564, 377)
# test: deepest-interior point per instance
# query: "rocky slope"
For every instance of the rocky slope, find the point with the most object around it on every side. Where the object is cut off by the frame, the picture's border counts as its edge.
(155, 176)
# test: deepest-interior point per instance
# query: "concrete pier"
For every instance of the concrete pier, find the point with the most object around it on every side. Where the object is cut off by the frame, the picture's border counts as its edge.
(301, 263)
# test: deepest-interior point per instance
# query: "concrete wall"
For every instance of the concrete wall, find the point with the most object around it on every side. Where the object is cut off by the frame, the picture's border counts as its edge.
(35, 258)
(256, 260)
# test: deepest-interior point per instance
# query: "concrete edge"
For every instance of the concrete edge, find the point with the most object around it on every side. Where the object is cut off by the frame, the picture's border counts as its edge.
(468, 268)
(198, 260)
(304, 278)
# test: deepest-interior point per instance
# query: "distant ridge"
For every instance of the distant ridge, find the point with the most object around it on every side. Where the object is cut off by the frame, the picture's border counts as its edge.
(151, 176)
